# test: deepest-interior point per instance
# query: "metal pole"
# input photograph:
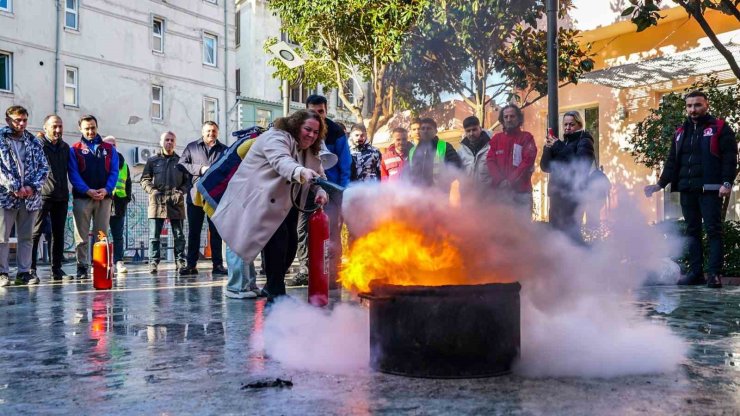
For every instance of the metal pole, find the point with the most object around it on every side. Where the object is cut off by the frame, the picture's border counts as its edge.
(226, 131)
(286, 97)
(56, 56)
(552, 65)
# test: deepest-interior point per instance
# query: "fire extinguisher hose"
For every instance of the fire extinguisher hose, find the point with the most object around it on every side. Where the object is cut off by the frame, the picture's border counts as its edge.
(330, 188)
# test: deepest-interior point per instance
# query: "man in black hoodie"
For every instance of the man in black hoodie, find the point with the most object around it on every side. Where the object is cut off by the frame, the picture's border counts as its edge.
(54, 195)
(701, 165)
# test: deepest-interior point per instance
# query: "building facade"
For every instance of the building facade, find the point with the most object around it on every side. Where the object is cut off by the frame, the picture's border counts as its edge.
(140, 67)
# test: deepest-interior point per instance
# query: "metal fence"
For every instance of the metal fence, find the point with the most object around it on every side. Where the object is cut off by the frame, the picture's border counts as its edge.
(136, 229)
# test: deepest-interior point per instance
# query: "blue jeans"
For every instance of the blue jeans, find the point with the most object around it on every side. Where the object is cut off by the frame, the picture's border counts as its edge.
(155, 230)
(242, 275)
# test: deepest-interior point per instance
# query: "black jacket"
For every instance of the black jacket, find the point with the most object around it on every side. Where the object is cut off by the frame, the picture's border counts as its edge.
(569, 162)
(195, 156)
(166, 185)
(702, 156)
(118, 209)
(422, 159)
(56, 187)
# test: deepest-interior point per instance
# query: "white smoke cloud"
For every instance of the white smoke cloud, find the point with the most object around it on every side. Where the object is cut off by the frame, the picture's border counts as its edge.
(578, 313)
(303, 337)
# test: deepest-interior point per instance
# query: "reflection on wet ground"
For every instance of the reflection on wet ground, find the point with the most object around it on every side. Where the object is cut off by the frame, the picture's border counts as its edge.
(177, 346)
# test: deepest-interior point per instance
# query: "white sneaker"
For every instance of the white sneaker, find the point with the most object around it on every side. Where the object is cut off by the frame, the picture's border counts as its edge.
(240, 295)
(120, 268)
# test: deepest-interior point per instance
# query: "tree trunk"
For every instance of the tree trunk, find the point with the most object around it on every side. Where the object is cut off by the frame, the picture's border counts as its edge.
(480, 91)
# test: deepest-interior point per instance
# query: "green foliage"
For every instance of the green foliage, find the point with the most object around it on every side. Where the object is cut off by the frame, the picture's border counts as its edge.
(345, 40)
(460, 45)
(651, 140)
(730, 245)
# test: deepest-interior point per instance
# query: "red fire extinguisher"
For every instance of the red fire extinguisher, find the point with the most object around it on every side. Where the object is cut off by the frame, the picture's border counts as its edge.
(102, 262)
(318, 258)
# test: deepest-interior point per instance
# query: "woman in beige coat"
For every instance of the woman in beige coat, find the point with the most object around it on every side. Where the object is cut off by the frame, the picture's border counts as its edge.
(256, 212)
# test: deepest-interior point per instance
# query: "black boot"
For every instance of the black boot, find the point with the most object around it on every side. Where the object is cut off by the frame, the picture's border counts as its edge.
(713, 281)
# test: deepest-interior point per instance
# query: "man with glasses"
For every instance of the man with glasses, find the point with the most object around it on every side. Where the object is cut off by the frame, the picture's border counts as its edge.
(23, 171)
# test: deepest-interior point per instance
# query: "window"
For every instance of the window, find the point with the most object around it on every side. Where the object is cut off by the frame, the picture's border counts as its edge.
(6, 5)
(238, 24)
(238, 82)
(71, 95)
(212, 1)
(210, 44)
(299, 94)
(349, 92)
(210, 109)
(71, 14)
(264, 117)
(157, 92)
(6, 72)
(158, 34)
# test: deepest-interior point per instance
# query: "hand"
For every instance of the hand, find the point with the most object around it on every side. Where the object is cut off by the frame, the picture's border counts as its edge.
(307, 175)
(92, 193)
(651, 189)
(550, 140)
(28, 191)
(321, 197)
(102, 192)
(724, 191)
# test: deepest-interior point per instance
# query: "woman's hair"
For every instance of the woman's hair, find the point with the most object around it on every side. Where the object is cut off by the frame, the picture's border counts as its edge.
(292, 124)
(576, 117)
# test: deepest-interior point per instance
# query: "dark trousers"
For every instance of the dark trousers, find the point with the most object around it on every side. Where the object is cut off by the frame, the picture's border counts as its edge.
(57, 212)
(279, 254)
(303, 234)
(566, 215)
(196, 216)
(116, 230)
(155, 231)
(706, 206)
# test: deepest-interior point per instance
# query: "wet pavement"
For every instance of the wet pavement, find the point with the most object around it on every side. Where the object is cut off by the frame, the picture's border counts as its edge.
(167, 345)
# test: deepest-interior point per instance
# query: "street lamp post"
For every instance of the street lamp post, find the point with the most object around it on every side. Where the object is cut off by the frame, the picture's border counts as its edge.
(552, 65)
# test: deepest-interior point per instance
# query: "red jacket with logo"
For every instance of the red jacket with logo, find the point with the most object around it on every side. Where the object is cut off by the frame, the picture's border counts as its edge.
(393, 162)
(511, 158)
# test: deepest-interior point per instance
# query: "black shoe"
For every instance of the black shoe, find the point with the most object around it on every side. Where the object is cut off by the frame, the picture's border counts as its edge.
(33, 278)
(219, 270)
(300, 279)
(153, 268)
(181, 264)
(714, 282)
(81, 272)
(188, 271)
(691, 280)
(57, 274)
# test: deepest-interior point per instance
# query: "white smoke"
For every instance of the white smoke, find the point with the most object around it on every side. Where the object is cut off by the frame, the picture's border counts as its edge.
(303, 337)
(579, 317)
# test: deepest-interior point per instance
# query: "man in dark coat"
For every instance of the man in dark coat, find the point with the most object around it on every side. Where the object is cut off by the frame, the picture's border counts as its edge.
(197, 157)
(166, 185)
(54, 195)
(701, 165)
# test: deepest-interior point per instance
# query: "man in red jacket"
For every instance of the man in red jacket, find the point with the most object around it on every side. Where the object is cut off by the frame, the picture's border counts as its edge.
(511, 158)
(396, 156)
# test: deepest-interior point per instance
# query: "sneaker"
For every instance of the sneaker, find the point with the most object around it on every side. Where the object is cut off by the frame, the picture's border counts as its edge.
(691, 280)
(259, 293)
(120, 268)
(33, 278)
(81, 272)
(188, 271)
(4, 280)
(57, 274)
(181, 264)
(300, 279)
(153, 268)
(219, 270)
(240, 295)
(714, 282)
(23, 278)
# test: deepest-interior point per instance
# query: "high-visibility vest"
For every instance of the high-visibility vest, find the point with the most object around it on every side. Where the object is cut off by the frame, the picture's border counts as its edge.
(120, 191)
(439, 156)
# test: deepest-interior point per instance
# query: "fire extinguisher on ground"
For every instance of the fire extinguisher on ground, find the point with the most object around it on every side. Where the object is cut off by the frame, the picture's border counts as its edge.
(102, 262)
(318, 258)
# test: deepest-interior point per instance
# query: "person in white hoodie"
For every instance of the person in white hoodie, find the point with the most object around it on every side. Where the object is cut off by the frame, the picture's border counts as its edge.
(473, 150)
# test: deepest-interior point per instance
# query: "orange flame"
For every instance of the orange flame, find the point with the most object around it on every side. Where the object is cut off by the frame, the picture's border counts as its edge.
(397, 253)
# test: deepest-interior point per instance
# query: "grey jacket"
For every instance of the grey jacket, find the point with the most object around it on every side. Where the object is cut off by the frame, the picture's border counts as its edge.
(166, 184)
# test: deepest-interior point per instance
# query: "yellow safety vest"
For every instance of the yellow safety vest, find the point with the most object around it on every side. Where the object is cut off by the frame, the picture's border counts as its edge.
(120, 191)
